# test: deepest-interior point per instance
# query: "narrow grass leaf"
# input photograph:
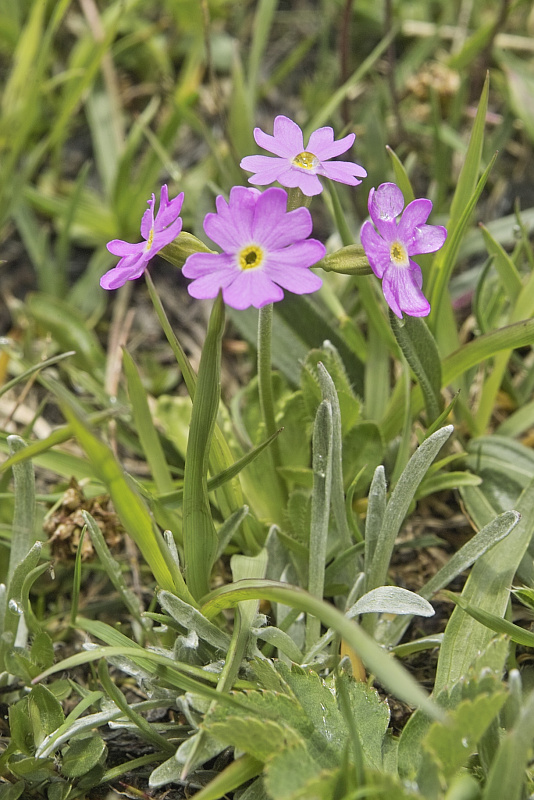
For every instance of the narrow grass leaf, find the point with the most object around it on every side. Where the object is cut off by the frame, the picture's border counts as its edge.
(146, 730)
(469, 173)
(23, 528)
(130, 508)
(145, 427)
(113, 570)
(337, 494)
(238, 772)
(261, 27)
(401, 176)
(200, 538)
(445, 260)
(493, 622)
(322, 452)
(510, 277)
(399, 504)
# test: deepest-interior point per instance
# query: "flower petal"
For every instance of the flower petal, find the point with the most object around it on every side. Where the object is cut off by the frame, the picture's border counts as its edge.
(416, 213)
(209, 285)
(402, 290)
(267, 169)
(147, 222)
(120, 248)
(165, 236)
(168, 211)
(427, 239)
(231, 227)
(289, 134)
(252, 288)
(298, 255)
(376, 249)
(307, 182)
(200, 264)
(294, 279)
(128, 269)
(287, 141)
(293, 226)
(386, 202)
(343, 172)
(322, 144)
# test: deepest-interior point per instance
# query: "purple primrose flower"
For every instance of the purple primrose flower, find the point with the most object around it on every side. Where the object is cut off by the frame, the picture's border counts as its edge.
(265, 250)
(389, 249)
(156, 233)
(297, 166)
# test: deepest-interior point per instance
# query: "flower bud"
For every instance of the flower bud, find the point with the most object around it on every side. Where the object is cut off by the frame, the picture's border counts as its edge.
(183, 246)
(349, 260)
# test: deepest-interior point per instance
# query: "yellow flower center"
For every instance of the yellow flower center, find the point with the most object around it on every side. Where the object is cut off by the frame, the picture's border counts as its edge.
(149, 240)
(250, 257)
(398, 254)
(305, 160)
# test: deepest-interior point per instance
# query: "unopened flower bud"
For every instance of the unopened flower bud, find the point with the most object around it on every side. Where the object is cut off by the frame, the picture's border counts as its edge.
(184, 246)
(349, 260)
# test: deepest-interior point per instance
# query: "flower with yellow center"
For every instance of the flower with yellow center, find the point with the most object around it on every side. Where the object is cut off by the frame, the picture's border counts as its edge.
(266, 250)
(389, 246)
(296, 166)
(157, 233)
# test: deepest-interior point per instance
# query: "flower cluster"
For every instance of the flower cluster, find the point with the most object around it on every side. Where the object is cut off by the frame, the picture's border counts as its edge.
(266, 249)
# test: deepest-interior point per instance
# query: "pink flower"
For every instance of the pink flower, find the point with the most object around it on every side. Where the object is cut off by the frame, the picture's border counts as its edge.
(265, 250)
(156, 233)
(297, 166)
(389, 249)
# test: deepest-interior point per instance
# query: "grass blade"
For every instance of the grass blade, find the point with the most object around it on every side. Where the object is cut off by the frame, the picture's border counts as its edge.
(200, 538)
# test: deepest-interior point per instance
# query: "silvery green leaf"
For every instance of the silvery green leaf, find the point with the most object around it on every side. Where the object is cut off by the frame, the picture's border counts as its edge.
(391, 600)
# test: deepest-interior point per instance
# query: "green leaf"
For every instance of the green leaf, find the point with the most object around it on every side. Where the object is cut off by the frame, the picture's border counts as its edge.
(508, 274)
(495, 623)
(506, 777)
(389, 672)
(23, 530)
(200, 538)
(320, 511)
(392, 600)
(45, 713)
(399, 503)
(488, 588)
(129, 506)
(451, 743)
(421, 353)
(82, 755)
(237, 773)
(145, 428)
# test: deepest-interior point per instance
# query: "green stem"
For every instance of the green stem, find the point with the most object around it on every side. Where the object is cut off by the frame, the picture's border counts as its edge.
(265, 386)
